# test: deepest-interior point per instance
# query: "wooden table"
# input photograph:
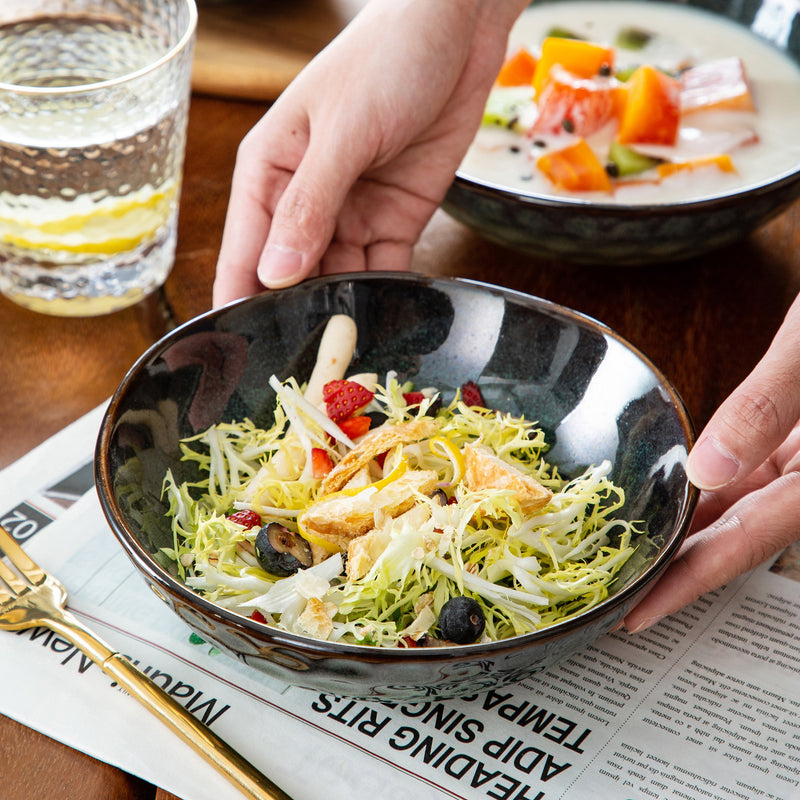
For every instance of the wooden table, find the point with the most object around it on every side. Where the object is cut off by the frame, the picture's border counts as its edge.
(705, 323)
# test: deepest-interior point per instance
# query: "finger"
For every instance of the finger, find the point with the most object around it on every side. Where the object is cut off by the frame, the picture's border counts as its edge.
(257, 181)
(756, 418)
(383, 255)
(753, 530)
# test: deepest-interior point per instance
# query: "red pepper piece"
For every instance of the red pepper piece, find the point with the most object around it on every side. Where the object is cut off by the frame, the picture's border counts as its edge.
(258, 616)
(353, 427)
(247, 518)
(472, 395)
(345, 399)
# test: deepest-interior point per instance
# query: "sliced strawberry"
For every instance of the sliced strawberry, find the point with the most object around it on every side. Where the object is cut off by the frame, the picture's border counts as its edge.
(413, 398)
(246, 518)
(258, 616)
(345, 400)
(471, 394)
(321, 462)
(353, 427)
(331, 388)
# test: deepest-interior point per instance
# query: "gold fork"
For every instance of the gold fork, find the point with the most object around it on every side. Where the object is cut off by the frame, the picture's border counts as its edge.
(30, 597)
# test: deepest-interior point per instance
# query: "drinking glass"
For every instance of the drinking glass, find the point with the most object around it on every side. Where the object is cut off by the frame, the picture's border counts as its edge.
(94, 98)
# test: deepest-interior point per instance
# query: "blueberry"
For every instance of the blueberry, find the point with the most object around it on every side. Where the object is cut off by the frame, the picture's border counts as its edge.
(281, 552)
(461, 620)
(440, 497)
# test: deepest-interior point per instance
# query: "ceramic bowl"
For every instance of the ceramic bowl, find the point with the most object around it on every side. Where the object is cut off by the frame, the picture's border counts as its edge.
(595, 396)
(582, 232)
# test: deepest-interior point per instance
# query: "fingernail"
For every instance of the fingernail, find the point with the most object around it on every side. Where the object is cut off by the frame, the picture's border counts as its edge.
(279, 266)
(711, 466)
(648, 622)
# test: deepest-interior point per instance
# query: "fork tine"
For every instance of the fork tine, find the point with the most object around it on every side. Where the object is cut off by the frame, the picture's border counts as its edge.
(20, 560)
(10, 579)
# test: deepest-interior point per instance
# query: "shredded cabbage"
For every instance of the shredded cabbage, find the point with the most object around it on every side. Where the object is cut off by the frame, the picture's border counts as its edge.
(527, 571)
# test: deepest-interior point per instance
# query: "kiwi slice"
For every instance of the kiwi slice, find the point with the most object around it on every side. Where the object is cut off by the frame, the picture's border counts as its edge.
(628, 162)
(632, 38)
(504, 106)
(558, 32)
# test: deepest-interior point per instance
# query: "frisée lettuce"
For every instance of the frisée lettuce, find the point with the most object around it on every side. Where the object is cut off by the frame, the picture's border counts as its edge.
(427, 501)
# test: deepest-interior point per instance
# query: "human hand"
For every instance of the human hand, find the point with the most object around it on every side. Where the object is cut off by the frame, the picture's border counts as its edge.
(747, 461)
(346, 168)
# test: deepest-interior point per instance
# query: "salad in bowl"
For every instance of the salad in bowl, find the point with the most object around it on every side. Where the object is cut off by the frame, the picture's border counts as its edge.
(388, 485)
(379, 513)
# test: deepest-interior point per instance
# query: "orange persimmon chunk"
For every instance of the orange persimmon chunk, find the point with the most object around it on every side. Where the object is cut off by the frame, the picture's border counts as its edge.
(652, 111)
(577, 105)
(517, 69)
(720, 84)
(584, 59)
(722, 162)
(575, 168)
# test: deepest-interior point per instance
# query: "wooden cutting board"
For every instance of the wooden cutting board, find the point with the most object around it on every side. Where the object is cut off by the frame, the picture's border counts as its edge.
(252, 49)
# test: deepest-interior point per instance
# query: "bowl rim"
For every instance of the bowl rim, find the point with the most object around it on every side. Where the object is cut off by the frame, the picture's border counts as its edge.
(576, 204)
(164, 584)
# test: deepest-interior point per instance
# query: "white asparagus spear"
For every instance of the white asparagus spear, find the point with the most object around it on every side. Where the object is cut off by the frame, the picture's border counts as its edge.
(335, 353)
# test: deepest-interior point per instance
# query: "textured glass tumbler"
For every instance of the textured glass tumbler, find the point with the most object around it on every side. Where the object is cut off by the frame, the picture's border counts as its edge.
(94, 98)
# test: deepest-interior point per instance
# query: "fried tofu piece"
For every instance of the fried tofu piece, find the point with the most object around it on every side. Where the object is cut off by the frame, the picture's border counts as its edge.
(340, 517)
(360, 479)
(484, 470)
(373, 444)
(364, 551)
(316, 618)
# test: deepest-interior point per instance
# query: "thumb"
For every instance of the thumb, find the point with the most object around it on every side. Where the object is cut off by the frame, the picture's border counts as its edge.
(756, 418)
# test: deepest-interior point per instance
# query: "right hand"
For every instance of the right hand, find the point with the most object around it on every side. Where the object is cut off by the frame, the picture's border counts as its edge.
(349, 164)
(747, 462)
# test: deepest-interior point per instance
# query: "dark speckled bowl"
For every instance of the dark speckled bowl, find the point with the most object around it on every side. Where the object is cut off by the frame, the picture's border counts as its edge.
(593, 233)
(594, 395)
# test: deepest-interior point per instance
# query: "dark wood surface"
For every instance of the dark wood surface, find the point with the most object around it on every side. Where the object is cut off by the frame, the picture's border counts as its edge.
(704, 323)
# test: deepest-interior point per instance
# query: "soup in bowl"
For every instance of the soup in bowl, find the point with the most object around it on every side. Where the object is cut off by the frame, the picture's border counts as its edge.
(635, 131)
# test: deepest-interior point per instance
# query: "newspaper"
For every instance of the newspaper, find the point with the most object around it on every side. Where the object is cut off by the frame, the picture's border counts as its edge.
(706, 704)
